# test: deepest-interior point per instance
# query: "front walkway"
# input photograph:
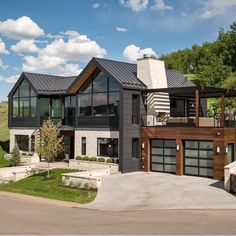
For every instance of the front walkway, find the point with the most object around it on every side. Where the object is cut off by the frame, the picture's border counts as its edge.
(147, 191)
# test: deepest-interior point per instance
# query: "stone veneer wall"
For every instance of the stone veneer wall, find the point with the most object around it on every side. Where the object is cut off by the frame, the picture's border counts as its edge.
(19, 131)
(91, 139)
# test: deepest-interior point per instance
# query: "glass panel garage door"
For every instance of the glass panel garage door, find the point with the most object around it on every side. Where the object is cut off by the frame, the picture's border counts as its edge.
(198, 158)
(163, 155)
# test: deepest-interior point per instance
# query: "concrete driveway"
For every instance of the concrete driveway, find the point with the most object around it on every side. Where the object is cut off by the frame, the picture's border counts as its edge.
(150, 191)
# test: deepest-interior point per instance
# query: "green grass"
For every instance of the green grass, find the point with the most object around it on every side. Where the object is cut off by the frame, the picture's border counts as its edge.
(3, 162)
(4, 134)
(37, 185)
(4, 131)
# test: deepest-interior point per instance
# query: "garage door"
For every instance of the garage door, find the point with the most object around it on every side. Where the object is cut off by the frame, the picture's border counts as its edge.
(163, 155)
(198, 158)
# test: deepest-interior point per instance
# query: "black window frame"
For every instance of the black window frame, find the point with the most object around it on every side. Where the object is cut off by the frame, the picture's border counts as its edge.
(135, 148)
(83, 146)
(20, 142)
(135, 109)
(115, 141)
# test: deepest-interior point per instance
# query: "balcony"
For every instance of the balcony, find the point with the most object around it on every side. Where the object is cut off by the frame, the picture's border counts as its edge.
(215, 121)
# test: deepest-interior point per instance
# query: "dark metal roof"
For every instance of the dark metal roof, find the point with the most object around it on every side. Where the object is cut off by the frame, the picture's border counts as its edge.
(49, 84)
(175, 79)
(125, 73)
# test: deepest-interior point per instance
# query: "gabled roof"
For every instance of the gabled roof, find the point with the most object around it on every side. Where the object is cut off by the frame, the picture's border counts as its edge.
(175, 80)
(47, 84)
(123, 72)
(126, 74)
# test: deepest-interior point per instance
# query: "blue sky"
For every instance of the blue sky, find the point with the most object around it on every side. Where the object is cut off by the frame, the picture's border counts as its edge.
(61, 36)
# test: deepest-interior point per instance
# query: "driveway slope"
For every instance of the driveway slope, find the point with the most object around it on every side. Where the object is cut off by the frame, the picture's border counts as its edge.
(150, 191)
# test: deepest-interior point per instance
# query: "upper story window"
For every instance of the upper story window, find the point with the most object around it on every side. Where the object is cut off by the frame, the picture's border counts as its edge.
(99, 96)
(24, 101)
(135, 109)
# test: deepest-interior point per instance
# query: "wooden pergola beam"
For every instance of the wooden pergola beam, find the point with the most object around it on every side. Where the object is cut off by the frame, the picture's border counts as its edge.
(196, 107)
(222, 110)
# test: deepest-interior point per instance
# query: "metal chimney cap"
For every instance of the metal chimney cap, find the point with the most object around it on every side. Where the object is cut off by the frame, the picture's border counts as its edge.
(149, 55)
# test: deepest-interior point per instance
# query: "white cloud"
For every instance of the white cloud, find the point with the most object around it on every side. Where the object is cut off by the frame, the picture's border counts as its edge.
(22, 28)
(3, 49)
(2, 65)
(57, 57)
(159, 5)
(96, 5)
(25, 46)
(216, 7)
(10, 79)
(135, 5)
(121, 29)
(131, 53)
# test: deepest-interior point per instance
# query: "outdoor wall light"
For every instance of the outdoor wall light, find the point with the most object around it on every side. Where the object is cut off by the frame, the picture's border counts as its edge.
(177, 147)
(226, 150)
(218, 133)
(217, 149)
(143, 145)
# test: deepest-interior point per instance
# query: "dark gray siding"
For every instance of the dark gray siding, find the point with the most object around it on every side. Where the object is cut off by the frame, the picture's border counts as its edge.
(128, 131)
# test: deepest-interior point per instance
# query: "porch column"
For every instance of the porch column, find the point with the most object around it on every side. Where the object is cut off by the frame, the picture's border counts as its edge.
(179, 157)
(197, 108)
(222, 110)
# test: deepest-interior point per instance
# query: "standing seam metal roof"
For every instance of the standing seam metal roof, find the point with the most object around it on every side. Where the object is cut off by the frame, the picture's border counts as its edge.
(49, 84)
(126, 74)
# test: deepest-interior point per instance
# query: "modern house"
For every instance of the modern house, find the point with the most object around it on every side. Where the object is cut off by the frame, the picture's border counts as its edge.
(149, 117)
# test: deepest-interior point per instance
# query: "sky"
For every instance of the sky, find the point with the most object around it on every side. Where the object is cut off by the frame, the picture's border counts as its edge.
(61, 36)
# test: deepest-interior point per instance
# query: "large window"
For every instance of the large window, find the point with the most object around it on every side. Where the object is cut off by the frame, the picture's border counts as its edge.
(135, 109)
(22, 142)
(24, 101)
(69, 110)
(44, 107)
(83, 146)
(99, 96)
(135, 148)
(107, 147)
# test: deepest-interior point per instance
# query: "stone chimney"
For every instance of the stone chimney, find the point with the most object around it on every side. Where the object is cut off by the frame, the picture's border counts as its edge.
(152, 73)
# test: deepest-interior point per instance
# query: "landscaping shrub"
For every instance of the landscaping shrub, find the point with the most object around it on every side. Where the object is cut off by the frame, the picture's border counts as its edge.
(93, 159)
(110, 160)
(15, 160)
(85, 158)
(24, 153)
(30, 154)
(117, 161)
(101, 159)
(78, 158)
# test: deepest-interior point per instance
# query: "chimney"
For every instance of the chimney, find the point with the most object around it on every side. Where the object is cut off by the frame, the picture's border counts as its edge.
(151, 71)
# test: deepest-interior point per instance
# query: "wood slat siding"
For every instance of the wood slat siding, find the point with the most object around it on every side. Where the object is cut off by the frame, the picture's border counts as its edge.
(220, 137)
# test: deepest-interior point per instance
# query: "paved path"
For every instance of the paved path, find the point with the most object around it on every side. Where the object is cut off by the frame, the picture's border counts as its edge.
(148, 191)
(30, 215)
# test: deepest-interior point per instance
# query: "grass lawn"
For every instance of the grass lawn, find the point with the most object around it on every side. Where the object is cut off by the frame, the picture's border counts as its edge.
(38, 186)
(3, 162)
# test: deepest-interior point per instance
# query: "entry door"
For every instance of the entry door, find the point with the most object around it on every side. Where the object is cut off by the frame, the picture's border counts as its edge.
(163, 155)
(198, 158)
(69, 147)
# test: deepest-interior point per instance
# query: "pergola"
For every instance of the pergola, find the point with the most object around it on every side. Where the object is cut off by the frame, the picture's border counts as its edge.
(198, 92)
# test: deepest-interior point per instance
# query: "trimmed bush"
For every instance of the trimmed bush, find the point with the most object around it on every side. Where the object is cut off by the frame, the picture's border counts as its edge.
(101, 159)
(78, 158)
(85, 158)
(117, 161)
(30, 154)
(15, 160)
(93, 159)
(110, 160)
(24, 153)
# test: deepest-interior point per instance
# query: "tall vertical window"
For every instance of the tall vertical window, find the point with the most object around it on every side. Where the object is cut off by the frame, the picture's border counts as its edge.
(135, 148)
(22, 142)
(83, 146)
(24, 101)
(135, 109)
(99, 96)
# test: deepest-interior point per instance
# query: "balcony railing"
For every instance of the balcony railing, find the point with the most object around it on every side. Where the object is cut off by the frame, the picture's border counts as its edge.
(214, 121)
